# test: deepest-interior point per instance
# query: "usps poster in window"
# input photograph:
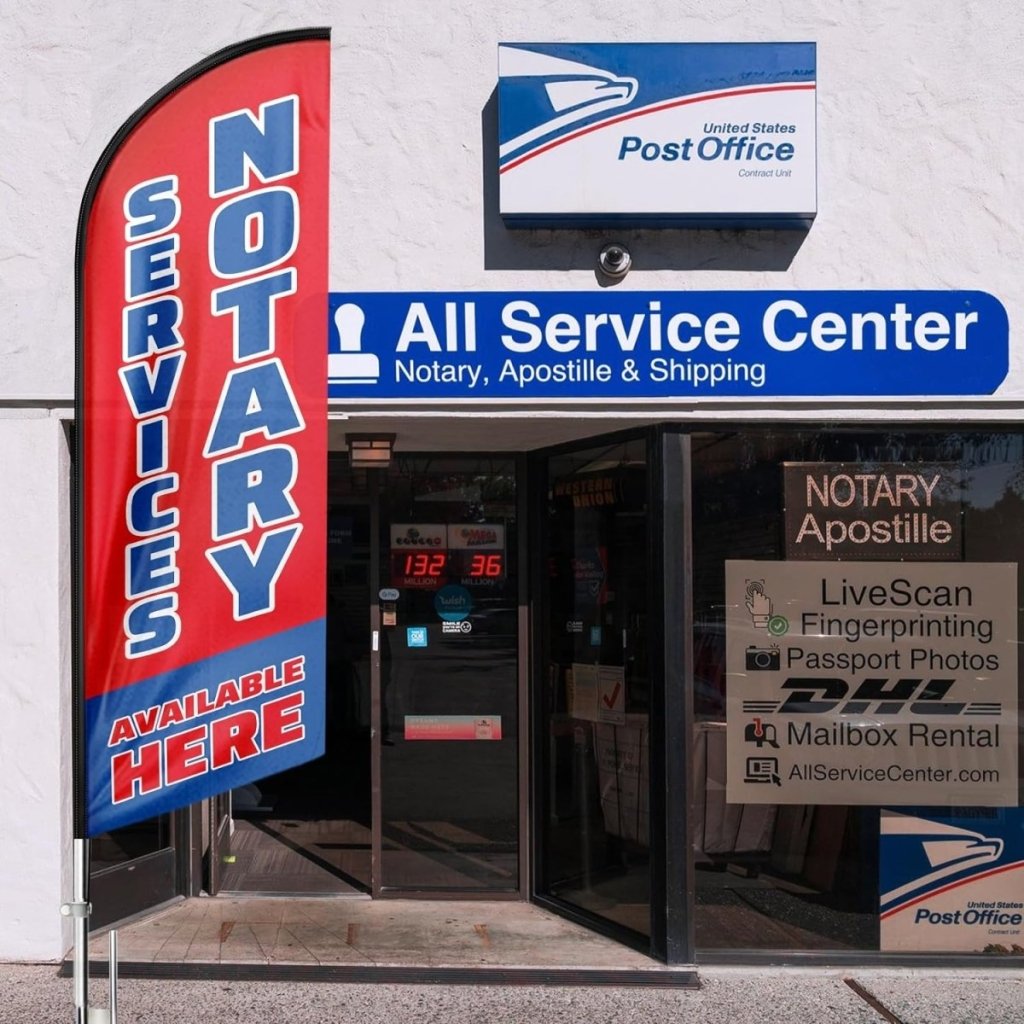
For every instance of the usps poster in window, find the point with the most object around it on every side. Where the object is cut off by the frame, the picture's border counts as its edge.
(952, 882)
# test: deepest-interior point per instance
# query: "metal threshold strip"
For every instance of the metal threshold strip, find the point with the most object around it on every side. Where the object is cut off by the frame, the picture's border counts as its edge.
(399, 974)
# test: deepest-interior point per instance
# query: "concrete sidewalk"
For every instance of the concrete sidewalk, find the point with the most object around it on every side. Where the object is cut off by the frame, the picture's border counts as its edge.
(35, 995)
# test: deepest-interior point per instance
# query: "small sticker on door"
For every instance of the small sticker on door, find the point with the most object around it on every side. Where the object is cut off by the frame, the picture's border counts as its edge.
(453, 727)
(416, 636)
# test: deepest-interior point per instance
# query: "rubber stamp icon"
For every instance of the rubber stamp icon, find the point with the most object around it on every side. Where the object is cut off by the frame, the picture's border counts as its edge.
(348, 363)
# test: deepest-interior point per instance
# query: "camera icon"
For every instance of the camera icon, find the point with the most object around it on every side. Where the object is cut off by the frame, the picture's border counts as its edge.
(763, 659)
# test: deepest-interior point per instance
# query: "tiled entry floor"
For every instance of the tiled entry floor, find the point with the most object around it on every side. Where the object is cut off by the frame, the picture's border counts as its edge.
(368, 933)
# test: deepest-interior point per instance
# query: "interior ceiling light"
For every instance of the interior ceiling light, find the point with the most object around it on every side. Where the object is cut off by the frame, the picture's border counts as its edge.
(369, 451)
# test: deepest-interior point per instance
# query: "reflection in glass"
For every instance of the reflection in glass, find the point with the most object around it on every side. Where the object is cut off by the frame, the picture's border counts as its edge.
(125, 844)
(596, 842)
(449, 675)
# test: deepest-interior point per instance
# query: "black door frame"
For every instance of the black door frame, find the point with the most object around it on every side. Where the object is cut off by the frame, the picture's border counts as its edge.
(177, 870)
(670, 585)
(139, 885)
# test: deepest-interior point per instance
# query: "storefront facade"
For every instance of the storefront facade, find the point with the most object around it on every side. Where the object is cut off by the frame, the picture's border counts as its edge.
(723, 675)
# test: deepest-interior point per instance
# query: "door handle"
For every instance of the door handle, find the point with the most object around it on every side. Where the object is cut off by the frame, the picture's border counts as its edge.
(375, 644)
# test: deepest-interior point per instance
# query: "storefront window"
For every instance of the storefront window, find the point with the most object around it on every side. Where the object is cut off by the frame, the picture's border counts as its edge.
(596, 834)
(856, 666)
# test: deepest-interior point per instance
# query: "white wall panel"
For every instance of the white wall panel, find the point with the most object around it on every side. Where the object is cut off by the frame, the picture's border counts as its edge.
(35, 730)
(918, 148)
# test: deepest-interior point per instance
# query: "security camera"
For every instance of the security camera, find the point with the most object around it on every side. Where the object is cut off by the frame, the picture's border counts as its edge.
(615, 260)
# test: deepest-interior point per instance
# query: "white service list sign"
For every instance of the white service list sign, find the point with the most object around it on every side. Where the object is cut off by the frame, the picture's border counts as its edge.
(872, 683)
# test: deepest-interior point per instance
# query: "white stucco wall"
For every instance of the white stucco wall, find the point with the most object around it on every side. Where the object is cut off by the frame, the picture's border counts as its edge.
(34, 688)
(919, 142)
(919, 135)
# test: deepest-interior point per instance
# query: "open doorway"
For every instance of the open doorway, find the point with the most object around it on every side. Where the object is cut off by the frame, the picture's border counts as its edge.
(418, 789)
(308, 830)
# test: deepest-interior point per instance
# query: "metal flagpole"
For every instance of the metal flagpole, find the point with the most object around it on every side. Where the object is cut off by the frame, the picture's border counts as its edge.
(79, 910)
(132, 197)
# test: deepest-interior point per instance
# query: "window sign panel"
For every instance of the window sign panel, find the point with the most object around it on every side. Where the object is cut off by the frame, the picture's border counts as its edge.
(452, 727)
(622, 752)
(419, 555)
(405, 536)
(628, 346)
(427, 555)
(884, 683)
(477, 552)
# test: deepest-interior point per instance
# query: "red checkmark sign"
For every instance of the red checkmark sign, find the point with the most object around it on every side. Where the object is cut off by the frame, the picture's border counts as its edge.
(610, 700)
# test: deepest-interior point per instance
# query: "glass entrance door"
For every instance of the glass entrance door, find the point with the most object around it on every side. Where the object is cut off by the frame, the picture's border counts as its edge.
(418, 790)
(134, 868)
(448, 680)
(594, 718)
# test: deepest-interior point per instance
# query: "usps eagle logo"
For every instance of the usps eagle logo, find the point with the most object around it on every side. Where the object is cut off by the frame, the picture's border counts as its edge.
(550, 94)
(929, 852)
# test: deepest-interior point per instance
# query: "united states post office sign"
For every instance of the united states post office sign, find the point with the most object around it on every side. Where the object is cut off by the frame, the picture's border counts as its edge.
(719, 134)
(626, 347)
